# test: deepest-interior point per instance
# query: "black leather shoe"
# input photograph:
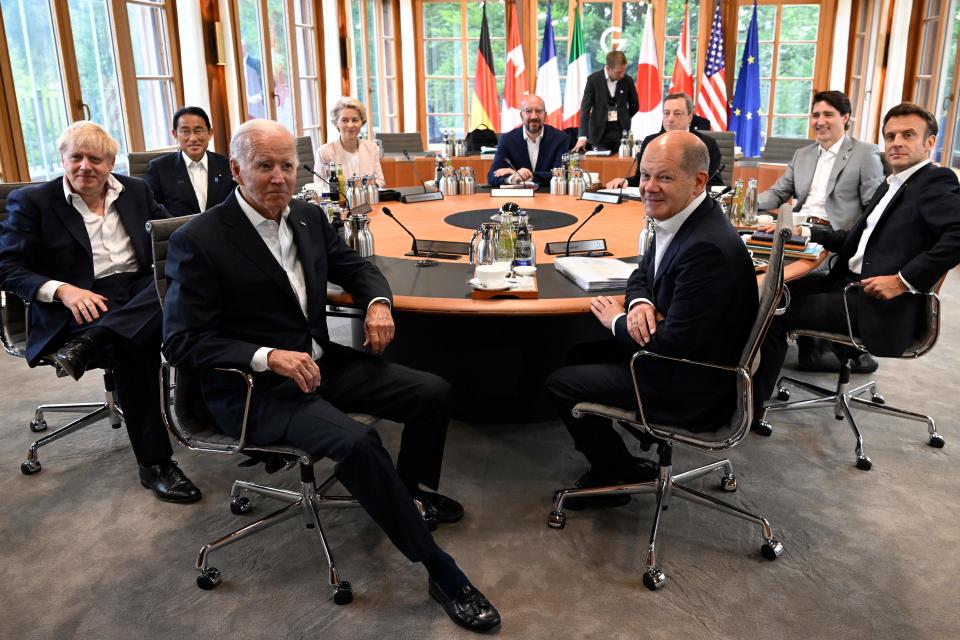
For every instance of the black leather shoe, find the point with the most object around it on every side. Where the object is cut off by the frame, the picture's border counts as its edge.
(866, 363)
(74, 357)
(439, 508)
(468, 608)
(823, 362)
(168, 482)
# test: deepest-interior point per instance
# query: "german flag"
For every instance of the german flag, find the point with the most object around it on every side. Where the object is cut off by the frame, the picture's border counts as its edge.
(484, 102)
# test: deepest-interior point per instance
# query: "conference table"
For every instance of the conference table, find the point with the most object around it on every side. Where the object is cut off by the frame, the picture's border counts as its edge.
(496, 352)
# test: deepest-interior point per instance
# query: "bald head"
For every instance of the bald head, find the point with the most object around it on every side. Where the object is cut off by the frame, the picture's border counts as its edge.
(673, 171)
(253, 132)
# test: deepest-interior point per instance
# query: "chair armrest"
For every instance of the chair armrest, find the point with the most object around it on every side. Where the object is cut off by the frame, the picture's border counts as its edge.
(742, 374)
(926, 346)
(167, 404)
(6, 330)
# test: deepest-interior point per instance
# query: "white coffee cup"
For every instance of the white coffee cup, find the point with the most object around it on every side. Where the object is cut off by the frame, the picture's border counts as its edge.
(764, 219)
(491, 275)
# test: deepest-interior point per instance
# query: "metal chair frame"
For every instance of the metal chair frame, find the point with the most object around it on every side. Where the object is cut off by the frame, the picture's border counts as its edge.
(307, 502)
(843, 398)
(93, 412)
(669, 483)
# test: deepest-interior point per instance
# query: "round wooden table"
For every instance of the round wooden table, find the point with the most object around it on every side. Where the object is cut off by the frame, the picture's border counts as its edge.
(496, 353)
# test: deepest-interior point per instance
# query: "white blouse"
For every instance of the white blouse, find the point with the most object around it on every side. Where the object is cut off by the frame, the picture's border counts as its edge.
(366, 162)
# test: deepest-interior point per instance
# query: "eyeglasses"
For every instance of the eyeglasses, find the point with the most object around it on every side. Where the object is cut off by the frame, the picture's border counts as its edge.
(531, 110)
(199, 132)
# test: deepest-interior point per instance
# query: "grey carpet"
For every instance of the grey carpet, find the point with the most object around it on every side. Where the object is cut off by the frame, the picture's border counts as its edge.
(87, 553)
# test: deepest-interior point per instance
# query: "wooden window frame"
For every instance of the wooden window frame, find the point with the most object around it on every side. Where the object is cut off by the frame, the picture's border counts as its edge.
(821, 67)
(382, 78)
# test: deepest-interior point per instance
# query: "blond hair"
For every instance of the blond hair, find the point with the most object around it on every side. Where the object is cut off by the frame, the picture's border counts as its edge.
(348, 103)
(88, 136)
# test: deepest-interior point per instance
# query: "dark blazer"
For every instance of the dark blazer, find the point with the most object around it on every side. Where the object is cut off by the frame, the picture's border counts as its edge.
(593, 106)
(227, 296)
(918, 236)
(44, 238)
(706, 290)
(513, 146)
(716, 179)
(170, 181)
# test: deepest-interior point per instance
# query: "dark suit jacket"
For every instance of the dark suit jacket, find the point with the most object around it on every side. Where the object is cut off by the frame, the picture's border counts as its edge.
(706, 290)
(227, 296)
(593, 106)
(170, 181)
(513, 146)
(918, 236)
(44, 238)
(715, 159)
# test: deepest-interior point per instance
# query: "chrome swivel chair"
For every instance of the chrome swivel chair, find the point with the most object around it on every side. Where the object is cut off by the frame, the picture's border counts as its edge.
(14, 327)
(843, 398)
(668, 484)
(187, 420)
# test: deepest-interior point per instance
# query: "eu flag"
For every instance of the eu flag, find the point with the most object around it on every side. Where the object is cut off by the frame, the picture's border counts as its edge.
(745, 116)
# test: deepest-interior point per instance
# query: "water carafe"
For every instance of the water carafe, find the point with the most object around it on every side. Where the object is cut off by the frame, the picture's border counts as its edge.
(576, 184)
(448, 183)
(468, 182)
(558, 186)
(359, 237)
(483, 244)
(373, 191)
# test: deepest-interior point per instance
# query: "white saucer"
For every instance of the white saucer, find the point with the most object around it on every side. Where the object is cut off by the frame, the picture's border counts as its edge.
(501, 286)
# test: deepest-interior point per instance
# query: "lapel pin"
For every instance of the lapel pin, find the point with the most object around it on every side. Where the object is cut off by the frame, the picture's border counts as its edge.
(302, 223)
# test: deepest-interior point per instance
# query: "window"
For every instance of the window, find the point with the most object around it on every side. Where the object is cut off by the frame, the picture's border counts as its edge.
(860, 76)
(927, 63)
(132, 96)
(278, 58)
(451, 32)
(947, 108)
(789, 61)
(373, 66)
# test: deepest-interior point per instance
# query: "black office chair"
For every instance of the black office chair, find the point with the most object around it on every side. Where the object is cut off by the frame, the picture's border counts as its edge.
(634, 421)
(140, 160)
(14, 327)
(186, 418)
(848, 347)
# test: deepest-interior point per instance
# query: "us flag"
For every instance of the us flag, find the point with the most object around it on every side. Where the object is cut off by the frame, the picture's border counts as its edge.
(712, 97)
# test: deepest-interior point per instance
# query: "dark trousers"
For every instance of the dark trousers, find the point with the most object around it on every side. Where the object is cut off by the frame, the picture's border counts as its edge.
(605, 380)
(132, 334)
(816, 302)
(355, 382)
(612, 134)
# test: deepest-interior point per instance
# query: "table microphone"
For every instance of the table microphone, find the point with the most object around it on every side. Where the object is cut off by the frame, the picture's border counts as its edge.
(419, 197)
(597, 210)
(420, 263)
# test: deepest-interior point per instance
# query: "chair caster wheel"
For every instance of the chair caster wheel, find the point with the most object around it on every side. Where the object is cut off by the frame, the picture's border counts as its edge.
(654, 579)
(762, 428)
(30, 467)
(557, 519)
(783, 394)
(209, 578)
(728, 482)
(240, 505)
(342, 593)
(38, 425)
(937, 441)
(878, 398)
(863, 463)
(771, 549)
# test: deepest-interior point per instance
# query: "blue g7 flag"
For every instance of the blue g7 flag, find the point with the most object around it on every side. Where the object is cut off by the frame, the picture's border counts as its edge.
(745, 115)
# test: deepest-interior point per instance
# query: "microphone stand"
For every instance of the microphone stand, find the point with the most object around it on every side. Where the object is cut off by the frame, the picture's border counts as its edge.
(425, 195)
(597, 210)
(420, 263)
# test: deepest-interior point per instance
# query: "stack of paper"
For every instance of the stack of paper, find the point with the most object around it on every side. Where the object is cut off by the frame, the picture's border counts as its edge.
(595, 274)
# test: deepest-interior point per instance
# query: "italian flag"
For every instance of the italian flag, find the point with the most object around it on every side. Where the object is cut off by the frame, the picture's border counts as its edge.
(578, 68)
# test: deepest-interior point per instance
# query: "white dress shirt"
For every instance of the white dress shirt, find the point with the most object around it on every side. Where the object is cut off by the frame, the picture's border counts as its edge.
(666, 232)
(895, 181)
(109, 241)
(279, 240)
(816, 200)
(197, 170)
(533, 148)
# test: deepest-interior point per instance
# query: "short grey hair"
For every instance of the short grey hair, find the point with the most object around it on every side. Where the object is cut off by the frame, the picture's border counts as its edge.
(88, 136)
(348, 103)
(245, 139)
